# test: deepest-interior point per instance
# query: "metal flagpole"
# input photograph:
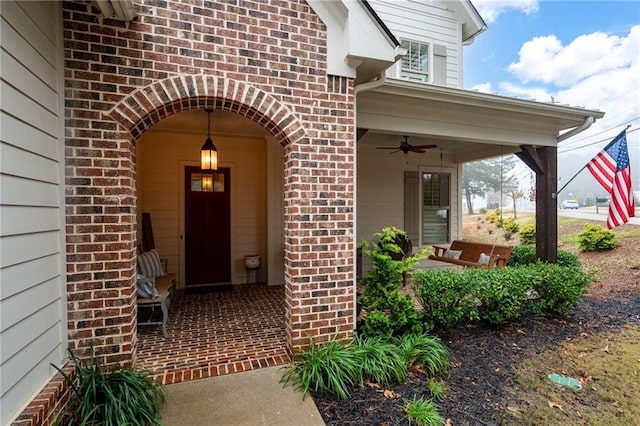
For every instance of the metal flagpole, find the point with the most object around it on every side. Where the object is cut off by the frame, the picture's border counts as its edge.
(583, 167)
(569, 181)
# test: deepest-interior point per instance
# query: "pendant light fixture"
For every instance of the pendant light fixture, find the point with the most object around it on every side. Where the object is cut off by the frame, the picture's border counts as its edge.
(208, 152)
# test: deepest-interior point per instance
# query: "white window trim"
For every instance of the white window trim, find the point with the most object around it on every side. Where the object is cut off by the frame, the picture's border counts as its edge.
(428, 73)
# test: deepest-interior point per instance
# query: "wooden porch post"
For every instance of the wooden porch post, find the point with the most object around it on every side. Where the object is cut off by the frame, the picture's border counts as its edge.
(547, 206)
(544, 162)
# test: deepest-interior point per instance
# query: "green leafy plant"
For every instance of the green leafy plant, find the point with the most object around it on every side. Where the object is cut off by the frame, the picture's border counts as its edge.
(501, 293)
(447, 297)
(596, 238)
(527, 234)
(559, 288)
(332, 367)
(380, 360)
(494, 216)
(510, 225)
(437, 388)
(110, 395)
(382, 285)
(423, 412)
(526, 255)
(424, 350)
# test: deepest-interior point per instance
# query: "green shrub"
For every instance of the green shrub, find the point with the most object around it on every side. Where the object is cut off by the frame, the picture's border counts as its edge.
(510, 225)
(559, 288)
(596, 238)
(482, 210)
(568, 259)
(526, 255)
(110, 396)
(376, 324)
(382, 283)
(447, 297)
(423, 412)
(491, 216)
(502, 293)
(527, 234)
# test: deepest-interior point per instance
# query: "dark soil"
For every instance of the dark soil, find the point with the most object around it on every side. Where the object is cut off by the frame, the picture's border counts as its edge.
(482, 360)
(481, 379)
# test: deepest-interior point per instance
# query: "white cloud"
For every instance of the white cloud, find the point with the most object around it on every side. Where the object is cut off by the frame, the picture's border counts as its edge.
(546, 60)
(491, 9)
(483, 87)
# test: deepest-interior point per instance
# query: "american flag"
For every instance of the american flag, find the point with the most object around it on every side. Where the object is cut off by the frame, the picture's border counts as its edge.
(611, 168)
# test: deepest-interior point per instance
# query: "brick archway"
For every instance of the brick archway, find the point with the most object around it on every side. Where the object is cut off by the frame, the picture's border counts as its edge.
(147, 106)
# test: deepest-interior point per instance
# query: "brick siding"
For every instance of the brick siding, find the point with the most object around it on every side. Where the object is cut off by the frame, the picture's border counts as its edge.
(260, 59)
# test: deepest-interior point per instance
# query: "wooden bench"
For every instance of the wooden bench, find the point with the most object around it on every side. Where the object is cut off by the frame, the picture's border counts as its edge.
(498, 254)
(166, 286)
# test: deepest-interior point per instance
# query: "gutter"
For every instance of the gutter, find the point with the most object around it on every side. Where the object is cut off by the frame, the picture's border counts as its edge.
(370, 85)
(581, 128)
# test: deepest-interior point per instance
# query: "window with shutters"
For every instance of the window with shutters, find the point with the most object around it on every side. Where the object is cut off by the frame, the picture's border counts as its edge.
(436, 208)
(415, 64)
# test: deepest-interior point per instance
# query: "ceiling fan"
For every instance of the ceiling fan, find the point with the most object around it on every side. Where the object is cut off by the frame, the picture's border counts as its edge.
(407, 148)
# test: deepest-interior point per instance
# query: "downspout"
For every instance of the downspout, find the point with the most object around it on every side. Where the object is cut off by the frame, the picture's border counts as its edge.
(362, 87)
(370, 85)
(581, 128)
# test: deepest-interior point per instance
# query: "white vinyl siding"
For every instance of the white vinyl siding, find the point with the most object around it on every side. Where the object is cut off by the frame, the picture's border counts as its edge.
(430, 23)
(32, 285)
(388, 186)
(161, 158)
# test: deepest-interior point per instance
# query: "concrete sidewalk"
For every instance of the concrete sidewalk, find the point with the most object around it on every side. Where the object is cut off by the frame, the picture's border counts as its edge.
(250, 398)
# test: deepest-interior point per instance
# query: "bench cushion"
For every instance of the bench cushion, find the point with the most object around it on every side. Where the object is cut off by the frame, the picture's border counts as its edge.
(149, 264)
(472, 252)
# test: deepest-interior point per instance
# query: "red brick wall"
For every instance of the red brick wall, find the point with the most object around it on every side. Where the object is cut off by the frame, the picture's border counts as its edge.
(265, 60)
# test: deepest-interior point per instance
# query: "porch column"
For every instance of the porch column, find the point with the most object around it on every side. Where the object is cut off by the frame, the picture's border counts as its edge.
(544, 162)
(547, 206)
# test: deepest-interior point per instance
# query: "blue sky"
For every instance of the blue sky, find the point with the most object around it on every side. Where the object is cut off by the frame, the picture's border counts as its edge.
(580, 53)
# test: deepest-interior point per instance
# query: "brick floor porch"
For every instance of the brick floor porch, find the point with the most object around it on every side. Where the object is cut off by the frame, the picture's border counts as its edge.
(216, 333)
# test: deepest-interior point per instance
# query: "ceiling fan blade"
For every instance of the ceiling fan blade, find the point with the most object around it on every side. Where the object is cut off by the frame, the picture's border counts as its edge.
(419, 151)
(393, 152)
(425, 146)
(386, 147)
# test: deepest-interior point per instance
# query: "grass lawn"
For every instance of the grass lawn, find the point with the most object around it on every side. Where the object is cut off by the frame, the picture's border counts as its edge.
(607, 365)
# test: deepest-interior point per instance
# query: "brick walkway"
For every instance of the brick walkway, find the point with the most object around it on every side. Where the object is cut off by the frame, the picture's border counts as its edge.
(212, 334)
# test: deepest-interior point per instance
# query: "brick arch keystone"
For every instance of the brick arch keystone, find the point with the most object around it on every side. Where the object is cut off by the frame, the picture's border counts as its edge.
(148, 105)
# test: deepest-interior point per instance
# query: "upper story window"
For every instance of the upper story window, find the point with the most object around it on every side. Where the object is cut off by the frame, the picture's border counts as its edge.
(415, 64)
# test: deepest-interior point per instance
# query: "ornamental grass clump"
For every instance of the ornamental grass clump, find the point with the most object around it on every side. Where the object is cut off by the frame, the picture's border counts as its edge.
(110, 396)
(425, 351)
(328, 368)
(423, 412)
(380, 360)
(334, 367)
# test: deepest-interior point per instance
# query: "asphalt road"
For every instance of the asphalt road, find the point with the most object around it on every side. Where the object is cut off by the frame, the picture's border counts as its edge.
(589, 213)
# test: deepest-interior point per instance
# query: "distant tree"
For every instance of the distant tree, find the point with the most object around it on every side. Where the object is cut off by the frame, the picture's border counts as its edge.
(515, 195)
(480, 176)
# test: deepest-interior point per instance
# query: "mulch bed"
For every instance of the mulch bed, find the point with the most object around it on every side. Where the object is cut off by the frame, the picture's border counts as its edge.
(481, 377)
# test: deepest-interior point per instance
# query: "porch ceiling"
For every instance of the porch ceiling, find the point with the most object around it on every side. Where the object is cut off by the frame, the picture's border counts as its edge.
(467, 124)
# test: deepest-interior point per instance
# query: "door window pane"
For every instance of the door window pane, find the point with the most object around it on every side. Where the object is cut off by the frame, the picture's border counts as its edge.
(436, 208)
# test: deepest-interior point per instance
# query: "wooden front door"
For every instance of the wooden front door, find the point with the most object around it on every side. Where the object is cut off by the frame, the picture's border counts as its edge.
(207, 228)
